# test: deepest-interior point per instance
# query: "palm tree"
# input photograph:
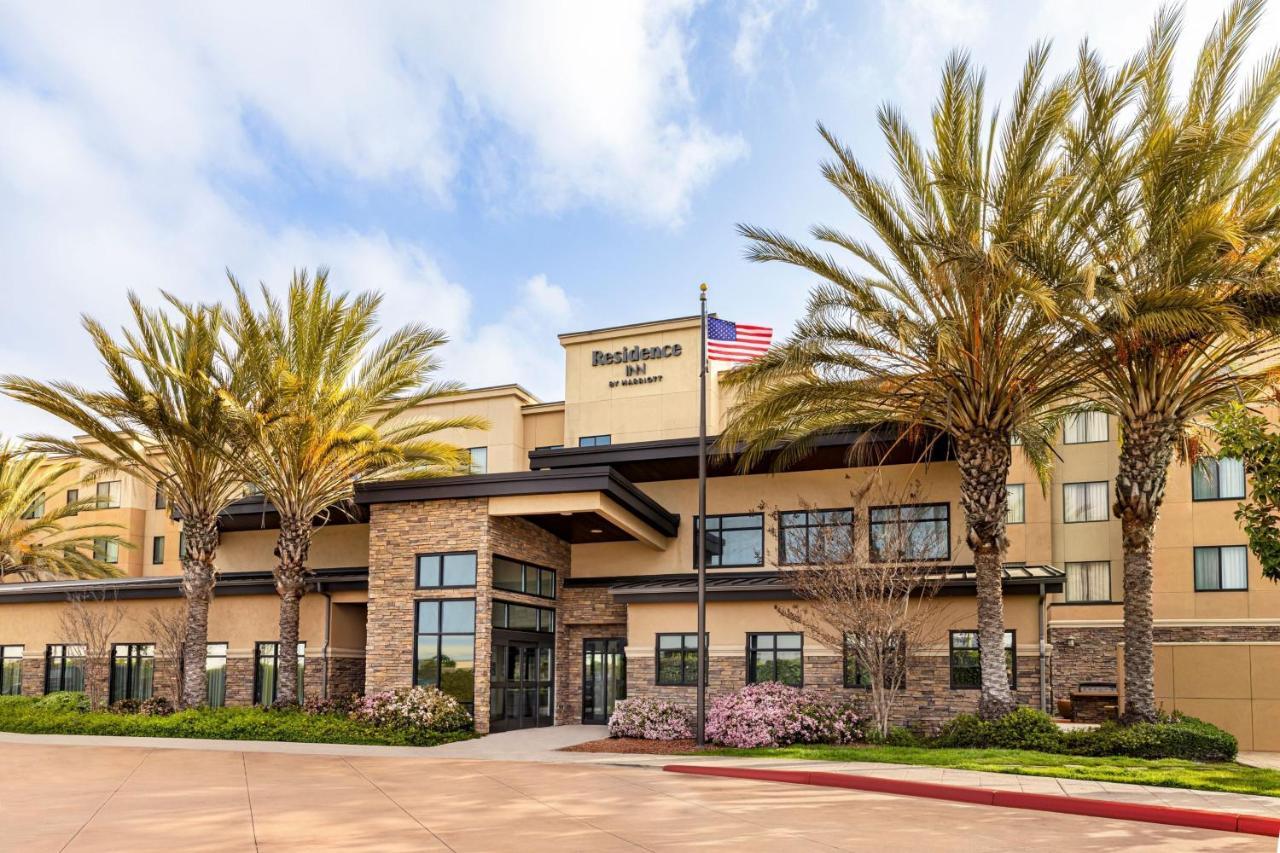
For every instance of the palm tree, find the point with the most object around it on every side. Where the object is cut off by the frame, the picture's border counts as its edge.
(956, 326)
(329, 408)
(1187, 291)
(164, 422)
(37, 542)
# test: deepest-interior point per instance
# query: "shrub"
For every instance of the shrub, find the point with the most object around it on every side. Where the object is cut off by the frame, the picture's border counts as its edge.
(413, 709)
(898, 736)
(340, 705)
(1025, 728)
(824, 720)
(156, 706)
(650, 718)
(63, 702)
(1172, 737)
(772, 714)
(967, 731)
(125, 706)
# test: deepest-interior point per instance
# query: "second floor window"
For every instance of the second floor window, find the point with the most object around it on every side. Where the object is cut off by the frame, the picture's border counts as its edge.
(1222, 568)
(36, 510)
(1085, 502)
(522, 577)
(1217, 479)
(73, 497)
(162, 500)
(914, 532)
(1089, 581)
(478, 460)
(437, 570)
(732, 540)
(1084, 428)
(157, 550)
(595, 441)
(108, 494)
(810, 537)
(1016, 512)
(106, 550)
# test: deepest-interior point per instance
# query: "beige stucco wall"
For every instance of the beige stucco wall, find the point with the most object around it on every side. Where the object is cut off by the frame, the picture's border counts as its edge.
(337, 546)
(1232, 685)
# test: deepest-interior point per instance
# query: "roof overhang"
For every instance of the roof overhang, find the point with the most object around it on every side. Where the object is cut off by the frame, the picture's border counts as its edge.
(170, 586)
(257, 513)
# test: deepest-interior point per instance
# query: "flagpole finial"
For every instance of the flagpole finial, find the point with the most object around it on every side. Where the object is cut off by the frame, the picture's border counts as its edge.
(703, 287)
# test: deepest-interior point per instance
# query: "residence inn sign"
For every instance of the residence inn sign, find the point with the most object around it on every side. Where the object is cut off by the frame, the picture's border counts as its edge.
(636, 359)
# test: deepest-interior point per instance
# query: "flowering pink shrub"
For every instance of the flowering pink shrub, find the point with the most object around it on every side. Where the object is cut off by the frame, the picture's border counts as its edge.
(422, 708)
(651, 719)
(772, 714)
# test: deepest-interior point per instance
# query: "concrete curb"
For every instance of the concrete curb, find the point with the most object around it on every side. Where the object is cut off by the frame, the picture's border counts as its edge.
(1195, 818)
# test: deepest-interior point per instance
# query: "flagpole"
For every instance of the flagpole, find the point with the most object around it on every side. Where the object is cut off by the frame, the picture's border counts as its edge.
(701, 709)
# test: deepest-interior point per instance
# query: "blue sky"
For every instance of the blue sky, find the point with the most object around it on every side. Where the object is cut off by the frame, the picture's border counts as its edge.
(505, 170)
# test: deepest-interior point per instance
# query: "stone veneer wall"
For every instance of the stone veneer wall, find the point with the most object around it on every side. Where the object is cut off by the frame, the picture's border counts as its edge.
(585, 613)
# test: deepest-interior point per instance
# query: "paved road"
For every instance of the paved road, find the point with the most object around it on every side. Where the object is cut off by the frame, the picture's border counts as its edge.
(82, 798)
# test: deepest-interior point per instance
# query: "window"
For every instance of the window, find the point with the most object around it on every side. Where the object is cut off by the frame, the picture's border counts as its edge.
(894, 657)
(478, 460)
(550, 447)
(133, 669)
(106, 550)
(444, 652)
(966, 667)
(109, 494)
(1222, 568)
(182, 546)
(266, 657)
(916, 532)
(36, 510)
(73, 497)
(1084, 502)
(1085, 428)
(815, 536)
(1089, 581)
(522, 577)
(157, 550)
(1016, 495)
(677, 660)
(10, 670)
(162, 500)
(1217, 479)
(775, 657)
(215, 669)
(64, 668)
(595, 441)
(523, 617)
(445, 570)
(732, 540)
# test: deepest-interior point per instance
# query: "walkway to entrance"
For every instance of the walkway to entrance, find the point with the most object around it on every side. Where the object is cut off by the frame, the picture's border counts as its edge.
(521, 745)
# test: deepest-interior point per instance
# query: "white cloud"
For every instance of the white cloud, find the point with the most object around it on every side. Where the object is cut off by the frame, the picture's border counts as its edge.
(755, 21)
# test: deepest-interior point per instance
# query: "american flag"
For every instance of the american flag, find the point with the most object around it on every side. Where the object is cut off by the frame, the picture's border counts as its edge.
(736, 341)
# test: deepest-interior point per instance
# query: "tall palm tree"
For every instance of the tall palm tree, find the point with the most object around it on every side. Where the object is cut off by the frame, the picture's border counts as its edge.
(330, 408)
(1187, 294)
(956, 325)
(163, 421)
(36, 541)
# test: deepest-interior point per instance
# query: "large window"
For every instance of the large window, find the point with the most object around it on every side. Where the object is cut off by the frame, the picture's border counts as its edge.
(966, 664)
(522, 617)
(815, 536)
(1222, 568)
(1016, 511)
(913, 532)
(133, 669)
(36, 510)
(157, 550)
(1217, 479)
(775, 657)
(523, 577)
(109, 494)
(732, 540)
(446, 570)
(1089, 581)
(64, 668)
(677, 659)
(266, 669)
(445, 648)
(893, 656)
(1085, 428)
(106, 550)
(478, 460)
(595, 441)
(10, 670)
(1084, 502)
(73, 497)
(215, 670)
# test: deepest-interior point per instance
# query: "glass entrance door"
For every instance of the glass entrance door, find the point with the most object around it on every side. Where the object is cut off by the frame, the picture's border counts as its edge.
(520, 679)
(604, 678)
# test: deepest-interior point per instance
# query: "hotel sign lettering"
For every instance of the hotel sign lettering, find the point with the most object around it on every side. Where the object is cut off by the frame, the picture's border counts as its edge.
(636, 360)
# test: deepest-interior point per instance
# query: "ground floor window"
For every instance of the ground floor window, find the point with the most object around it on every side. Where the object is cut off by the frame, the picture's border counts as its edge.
(677, 662)
(523, 617)
(445, 648)
(133, 669)
(10, 670)
(215, 670)
(64, 668)
(266, 681)
(894, 658)
(966, 667)
(775, 657)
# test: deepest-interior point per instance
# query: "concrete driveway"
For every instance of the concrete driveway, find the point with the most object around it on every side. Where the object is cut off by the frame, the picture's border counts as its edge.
(82, 798)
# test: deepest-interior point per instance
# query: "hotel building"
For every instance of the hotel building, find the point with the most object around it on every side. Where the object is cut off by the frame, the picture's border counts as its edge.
(558, 576)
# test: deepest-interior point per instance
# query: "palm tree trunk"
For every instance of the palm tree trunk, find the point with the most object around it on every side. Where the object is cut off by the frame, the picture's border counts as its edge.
(984, 471)
(292, 549)
(198, 579)
(1145, 453)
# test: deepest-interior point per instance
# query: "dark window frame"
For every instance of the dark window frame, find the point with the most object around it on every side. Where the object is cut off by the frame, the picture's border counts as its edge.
(105, 543)
(157, 544)
(595, 440)
(687, 678)
(857, 668)
(162, 499)
(720, 517)
(73, 496)
(541, 611)
(871, 525)
(1218, 482)
(1195, 584)
(524, 565)
(275, 688)
(50, 657)
(439, 637)
(1023, 488)
(133, 658)
(809, 524)
(751, 655)
(1106, 511)
(1066, 567)
(226, 663)
(471, 460)
(1012, 665)
(11, 688)
(1106, 421)
(417, 569)
(98, 496)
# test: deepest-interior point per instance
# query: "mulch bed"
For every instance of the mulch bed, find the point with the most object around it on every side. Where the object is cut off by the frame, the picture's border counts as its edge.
(636, 746)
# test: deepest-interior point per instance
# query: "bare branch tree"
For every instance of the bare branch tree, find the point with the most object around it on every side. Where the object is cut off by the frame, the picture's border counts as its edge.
(90, 621)
(868, 596)
(168, 627)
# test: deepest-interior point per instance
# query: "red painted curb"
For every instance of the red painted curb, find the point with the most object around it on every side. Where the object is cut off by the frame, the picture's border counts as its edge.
(1170, 815)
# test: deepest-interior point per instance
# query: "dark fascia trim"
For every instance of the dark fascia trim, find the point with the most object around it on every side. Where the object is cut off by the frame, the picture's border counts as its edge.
(170, 586)
(589, 479)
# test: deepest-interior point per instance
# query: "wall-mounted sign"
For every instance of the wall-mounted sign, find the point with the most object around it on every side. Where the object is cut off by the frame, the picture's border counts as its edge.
(636, 361)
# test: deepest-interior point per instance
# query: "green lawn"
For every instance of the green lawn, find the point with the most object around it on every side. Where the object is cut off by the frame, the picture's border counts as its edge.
(1167, 772)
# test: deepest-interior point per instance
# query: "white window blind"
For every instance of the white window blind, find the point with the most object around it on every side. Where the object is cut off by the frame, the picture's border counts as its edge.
(1084, 502)
(1089, 581)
